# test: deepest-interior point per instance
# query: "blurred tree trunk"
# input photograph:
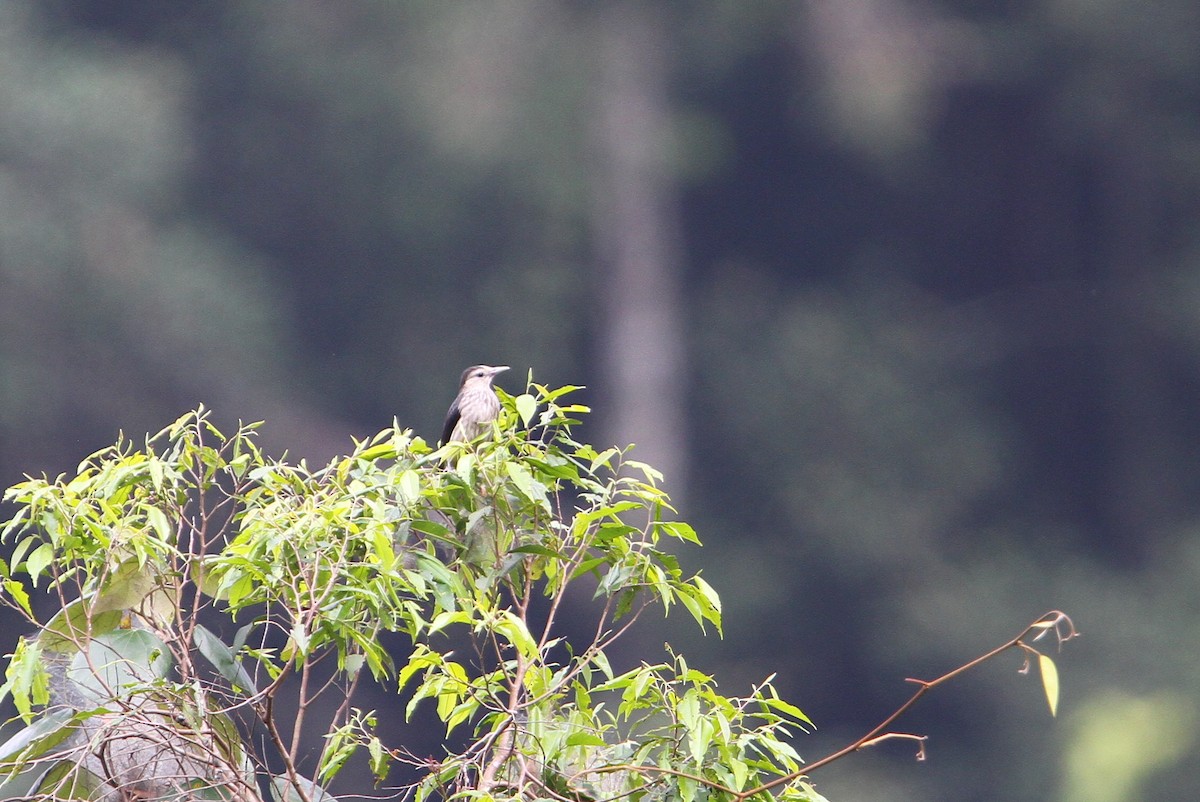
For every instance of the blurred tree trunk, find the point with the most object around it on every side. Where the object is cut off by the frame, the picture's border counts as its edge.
(636, 229)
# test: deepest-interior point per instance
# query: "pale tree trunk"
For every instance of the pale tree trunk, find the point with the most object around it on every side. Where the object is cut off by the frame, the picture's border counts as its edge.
(636, 229)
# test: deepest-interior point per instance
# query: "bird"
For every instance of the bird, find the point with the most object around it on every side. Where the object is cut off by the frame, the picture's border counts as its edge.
(475, 406)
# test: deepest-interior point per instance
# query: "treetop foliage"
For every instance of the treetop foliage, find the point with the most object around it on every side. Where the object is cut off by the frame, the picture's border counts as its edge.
(197, 582)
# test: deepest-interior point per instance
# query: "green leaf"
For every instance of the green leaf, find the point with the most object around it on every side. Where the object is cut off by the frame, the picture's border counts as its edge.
(208, 580)
(559, 469)
(557, 392)
(603, 458)
(68, 780)
(17, 591)
(701, 601)
(125, 587)
(410, 486)
(709, 592)
(785, 708)
(680, 530)
(448, 617)
(700, 739)
(39, 737)
(224, 660)
(532, 489)
(23, 784)
(687, 789)
(513, 630)
(380, 759)
(584, 738)
(782, 752)
(465, 467)
(461, 712)
(158, 520)
(587, 565)
(335, 759)
(1049, 681)
(298, 643)
(600, 660)
(239, 637)
(18, 552)
(73, 624)
(651, 473)
(26, 678)
(241, 586)
(116, 660)
(37, 561)
(810, 793)
(381, 451)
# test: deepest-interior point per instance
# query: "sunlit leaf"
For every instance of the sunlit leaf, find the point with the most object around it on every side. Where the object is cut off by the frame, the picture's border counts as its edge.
(410, 486)
(1049, 682)
(37, 561)
(680, 530)
(17, 591)
(381, 451)
(27, 678)
(379, 758)
(526, 407)
(585, 738)
(602, 459)
(158, 522)
(532, 489)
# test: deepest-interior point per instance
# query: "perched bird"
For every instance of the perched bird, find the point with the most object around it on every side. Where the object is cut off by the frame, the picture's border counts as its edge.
(475, 406)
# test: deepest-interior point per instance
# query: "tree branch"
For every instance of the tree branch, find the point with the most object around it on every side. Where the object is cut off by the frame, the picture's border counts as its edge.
(1052, 620)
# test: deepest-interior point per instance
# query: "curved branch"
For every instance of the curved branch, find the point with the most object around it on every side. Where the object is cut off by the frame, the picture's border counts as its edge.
(1055, 620)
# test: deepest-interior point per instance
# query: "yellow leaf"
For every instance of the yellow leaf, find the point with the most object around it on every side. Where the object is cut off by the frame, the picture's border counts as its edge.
(1049, 682)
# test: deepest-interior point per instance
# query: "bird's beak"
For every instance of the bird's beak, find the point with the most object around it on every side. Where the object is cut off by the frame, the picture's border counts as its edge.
(499, 369)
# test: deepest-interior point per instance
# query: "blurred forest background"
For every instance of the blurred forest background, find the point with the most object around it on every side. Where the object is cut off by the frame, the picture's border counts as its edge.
(903, 295)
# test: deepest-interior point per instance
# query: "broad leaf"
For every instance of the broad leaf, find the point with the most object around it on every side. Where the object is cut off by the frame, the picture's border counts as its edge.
(223, 660)
(117, 660)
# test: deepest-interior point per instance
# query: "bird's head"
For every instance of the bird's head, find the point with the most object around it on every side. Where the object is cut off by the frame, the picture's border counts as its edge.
(481, 374)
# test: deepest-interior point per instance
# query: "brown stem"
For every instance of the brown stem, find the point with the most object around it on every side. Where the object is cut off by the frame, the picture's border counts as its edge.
(298, 725)
(504, 746)
(268, 719)
(1051, 620)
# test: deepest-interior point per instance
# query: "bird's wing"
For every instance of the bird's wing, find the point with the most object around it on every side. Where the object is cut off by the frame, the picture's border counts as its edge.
(452, 416)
